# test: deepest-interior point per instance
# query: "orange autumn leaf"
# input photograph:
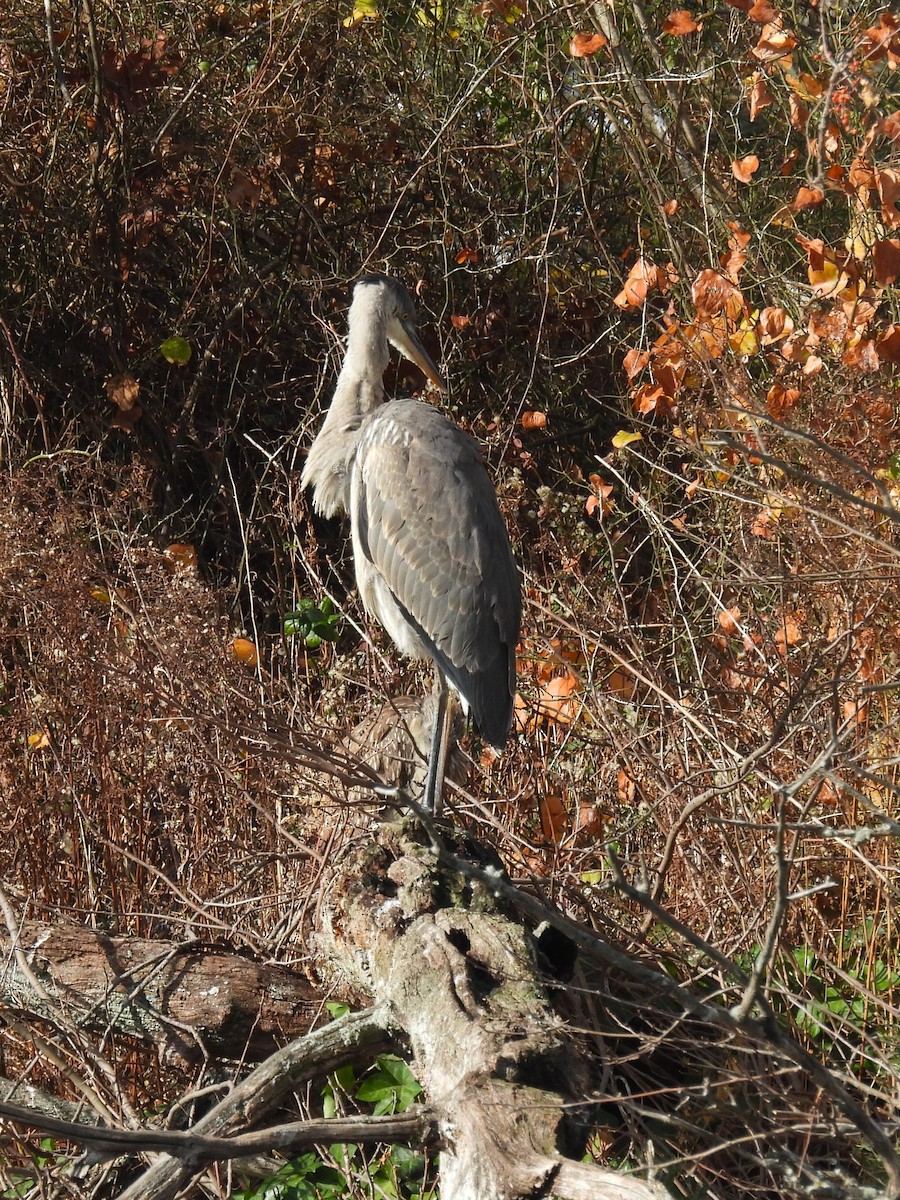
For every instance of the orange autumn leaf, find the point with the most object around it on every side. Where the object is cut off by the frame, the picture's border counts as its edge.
(890, 127)
(182, 555)
(812, 366)
(554, 818)
(743, 169)
(521, 713)
(781, 401)
(760, 95)
(558, 700)
(807, 197)
(888, 346)
(773, 43)
(728, 620)
(643, 276)
(652, 398)
(763, 13)
(861, 355)
(789, 162)
(733, 262)
(634, 362)
(465, 256)
(626, 788)
(886, 260)
(679, 23)
(830, 327)
(245, 651)
(621, 684)
(534, 420)
(788, 634)
(883, 39)
(855, 712)
(583, 45)
(589, 823)
(764, 525)
(825, 276)
(712, 292)
(774, 324)
(799, 113)
(599, 502)
(888, 181)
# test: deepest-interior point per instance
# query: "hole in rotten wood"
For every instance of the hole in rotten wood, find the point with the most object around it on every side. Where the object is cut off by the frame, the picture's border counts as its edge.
(481, 981)
(459, 940)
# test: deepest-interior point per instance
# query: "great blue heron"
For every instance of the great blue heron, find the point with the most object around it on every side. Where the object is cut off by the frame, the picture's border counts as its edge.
(430, 549)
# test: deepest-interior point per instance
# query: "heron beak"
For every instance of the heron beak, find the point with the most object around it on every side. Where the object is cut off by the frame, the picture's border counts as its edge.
(405, 338)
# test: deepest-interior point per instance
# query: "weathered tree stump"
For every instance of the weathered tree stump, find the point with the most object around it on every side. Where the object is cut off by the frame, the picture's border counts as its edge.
(461, 977)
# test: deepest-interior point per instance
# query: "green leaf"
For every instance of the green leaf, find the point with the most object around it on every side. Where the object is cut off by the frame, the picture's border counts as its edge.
(176, 350)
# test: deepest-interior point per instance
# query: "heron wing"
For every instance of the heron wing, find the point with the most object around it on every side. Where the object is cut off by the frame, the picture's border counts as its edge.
(426, 517)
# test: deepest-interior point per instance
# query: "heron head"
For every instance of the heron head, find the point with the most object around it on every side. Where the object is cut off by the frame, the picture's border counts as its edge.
(400, 324)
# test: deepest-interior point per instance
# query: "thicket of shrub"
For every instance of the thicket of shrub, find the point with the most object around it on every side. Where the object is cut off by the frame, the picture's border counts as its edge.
(657, 253)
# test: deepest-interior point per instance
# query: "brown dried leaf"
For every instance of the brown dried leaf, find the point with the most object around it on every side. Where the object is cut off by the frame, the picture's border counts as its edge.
(799, 113)
(182, 555)
(780, 401)
(123, 391)
(554, 818)
(763, 13)
(862, 355)
(634, 362)
(888, 181)
(764, 525)
(728, 620)
(643, 276)
(888, 345)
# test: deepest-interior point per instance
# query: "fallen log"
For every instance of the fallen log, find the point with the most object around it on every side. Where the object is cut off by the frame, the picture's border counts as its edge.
(193, 999)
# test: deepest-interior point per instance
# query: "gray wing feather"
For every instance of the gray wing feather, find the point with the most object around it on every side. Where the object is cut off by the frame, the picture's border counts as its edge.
(434, 532)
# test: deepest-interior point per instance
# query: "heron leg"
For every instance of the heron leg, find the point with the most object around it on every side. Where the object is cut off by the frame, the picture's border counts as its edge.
(440, 744)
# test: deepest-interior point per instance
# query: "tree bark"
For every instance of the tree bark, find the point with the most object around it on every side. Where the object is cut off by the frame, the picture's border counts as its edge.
(192, 999)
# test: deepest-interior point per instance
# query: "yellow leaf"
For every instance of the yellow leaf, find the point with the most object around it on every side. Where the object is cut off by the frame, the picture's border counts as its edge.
(744, 341)
(39, 741)
(363, 10)
(625, 437)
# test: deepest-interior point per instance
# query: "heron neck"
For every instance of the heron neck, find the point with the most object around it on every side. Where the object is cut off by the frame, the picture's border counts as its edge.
(360, 385)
